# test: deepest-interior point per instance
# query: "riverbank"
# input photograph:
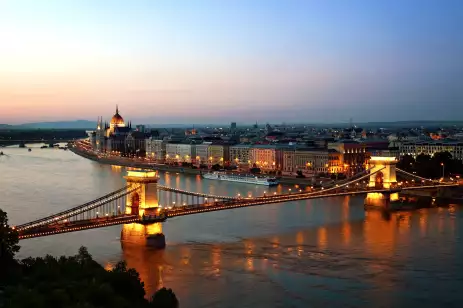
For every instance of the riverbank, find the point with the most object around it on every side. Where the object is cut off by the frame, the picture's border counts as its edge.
(127, 162)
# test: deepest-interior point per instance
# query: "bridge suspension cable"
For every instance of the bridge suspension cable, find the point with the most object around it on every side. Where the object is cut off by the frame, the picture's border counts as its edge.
(78, 209)
(343, 185)
(413, 175)
(166, 188)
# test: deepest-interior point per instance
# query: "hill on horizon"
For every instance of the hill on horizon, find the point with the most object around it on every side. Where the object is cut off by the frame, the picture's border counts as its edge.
(79, 124)
(90, 125)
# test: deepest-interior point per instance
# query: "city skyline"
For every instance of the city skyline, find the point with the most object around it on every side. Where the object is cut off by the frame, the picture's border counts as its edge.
(216, 62)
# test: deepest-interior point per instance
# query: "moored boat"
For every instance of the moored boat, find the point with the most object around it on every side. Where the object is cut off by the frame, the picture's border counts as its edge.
(247, 178)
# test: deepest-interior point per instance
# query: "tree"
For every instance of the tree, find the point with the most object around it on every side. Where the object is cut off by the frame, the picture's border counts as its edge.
(8, 248)
(407, 163)
(164, 298)
(69, 282)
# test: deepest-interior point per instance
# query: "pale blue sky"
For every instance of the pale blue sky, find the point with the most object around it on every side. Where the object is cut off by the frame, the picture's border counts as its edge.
(214, 61)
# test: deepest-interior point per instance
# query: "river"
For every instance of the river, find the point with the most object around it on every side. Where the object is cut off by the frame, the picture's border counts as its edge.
(297, 254)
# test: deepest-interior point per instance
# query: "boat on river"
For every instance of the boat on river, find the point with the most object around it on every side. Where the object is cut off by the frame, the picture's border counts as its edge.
(246, 178)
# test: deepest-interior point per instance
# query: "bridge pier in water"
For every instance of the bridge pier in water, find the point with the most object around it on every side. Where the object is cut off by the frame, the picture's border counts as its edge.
(383, 176)
(141, 202)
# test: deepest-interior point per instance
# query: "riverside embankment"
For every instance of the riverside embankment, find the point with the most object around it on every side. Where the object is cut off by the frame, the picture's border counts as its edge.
(127, 162)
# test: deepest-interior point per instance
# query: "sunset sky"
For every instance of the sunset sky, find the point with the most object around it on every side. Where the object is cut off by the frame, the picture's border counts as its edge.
(216, 61)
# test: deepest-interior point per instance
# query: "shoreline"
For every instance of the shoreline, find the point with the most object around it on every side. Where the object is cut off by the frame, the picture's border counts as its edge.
(127, 163)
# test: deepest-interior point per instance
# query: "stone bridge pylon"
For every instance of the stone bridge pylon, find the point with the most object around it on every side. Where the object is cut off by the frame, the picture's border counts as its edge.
(142, 201)
(383, 176)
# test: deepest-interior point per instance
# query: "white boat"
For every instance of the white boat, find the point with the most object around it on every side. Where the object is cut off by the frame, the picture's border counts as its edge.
(250, 179)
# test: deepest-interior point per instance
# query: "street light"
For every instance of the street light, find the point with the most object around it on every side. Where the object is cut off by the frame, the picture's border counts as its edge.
(443, 169)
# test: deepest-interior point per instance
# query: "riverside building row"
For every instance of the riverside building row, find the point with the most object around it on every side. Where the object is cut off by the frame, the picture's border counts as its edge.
(337, 157)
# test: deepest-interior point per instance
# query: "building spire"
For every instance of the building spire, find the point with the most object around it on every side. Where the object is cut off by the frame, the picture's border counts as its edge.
(117, 109)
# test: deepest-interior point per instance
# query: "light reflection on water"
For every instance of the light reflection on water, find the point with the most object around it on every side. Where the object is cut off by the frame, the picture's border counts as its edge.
(300, 254)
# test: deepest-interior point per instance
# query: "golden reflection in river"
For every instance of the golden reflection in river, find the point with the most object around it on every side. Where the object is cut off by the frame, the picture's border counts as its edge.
(346, 233)
(116, 169)
(249, 247)
(423, 222)
(216, 259)
(322, 239)
(185, 255)
(403, 220)
(300, 243)
(441, 217)
(149, 264)
(379, 233)
(345, 208)
(177, 181)
(452, 214)
(109, 266)
(167, 179)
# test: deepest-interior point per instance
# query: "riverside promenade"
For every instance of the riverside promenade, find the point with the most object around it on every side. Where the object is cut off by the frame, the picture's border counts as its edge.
(128, 162)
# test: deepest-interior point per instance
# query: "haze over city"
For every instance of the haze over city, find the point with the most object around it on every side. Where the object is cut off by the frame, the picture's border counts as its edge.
(218, 61)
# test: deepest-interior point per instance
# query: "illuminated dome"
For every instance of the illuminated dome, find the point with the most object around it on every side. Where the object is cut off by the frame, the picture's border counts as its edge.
(117, 120)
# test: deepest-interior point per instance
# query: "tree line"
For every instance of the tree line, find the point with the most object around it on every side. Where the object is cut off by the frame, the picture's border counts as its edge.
(70, 282)
(441, 163)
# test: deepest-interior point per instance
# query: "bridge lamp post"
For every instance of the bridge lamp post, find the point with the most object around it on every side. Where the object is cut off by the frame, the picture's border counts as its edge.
(443, 169)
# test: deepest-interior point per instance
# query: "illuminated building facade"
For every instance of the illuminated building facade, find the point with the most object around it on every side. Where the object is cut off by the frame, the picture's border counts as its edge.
(111, 137)
(311, 161)
(239, 155)
(218, 154)
(430, 148)
(155, 149)
(180, 153)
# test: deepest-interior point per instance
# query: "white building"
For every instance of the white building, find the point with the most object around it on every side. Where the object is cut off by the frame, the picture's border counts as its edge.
(155, 149)
(202, 151)
(430, 148)
(180, 153)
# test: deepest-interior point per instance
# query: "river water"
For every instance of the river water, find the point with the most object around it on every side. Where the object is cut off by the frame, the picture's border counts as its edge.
(297, 254)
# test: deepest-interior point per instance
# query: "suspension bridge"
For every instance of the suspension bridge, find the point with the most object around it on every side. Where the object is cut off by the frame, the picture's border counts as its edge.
(143, 202)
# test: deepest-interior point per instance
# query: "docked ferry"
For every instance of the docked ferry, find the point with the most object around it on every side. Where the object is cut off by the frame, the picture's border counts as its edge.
(250, 179)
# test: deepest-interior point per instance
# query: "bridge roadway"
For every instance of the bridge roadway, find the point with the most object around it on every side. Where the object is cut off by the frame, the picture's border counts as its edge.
(80, 225)
(72, 226)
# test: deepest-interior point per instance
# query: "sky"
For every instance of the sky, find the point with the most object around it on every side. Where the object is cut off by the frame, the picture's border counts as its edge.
(198, 61)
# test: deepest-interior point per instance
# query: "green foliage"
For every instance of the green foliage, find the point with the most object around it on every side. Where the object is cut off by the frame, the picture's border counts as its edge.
(254, 170)
(431, 167)
(164, 298)
(8, 248)
(70, 282)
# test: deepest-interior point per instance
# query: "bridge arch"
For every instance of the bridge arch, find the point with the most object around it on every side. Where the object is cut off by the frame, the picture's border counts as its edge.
(135, 204)
(379, 180)
(382, 172)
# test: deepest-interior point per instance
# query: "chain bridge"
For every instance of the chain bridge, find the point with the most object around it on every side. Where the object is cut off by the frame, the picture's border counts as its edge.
(143, 204)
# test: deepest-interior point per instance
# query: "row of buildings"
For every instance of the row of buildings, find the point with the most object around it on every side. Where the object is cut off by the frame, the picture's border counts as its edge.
(272, 149)
(337, 157)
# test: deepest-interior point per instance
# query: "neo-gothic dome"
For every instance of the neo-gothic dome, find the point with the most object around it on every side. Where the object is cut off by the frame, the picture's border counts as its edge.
(117, 120)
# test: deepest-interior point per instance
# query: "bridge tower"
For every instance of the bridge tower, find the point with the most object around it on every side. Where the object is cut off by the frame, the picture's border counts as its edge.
(141, 201)
(383, 176)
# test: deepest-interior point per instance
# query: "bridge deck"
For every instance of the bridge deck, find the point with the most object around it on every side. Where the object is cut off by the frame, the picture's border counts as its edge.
(72, 226)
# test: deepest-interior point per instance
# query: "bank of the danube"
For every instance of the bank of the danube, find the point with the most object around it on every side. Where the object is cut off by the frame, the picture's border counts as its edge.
(324, 252)
(126, 162)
